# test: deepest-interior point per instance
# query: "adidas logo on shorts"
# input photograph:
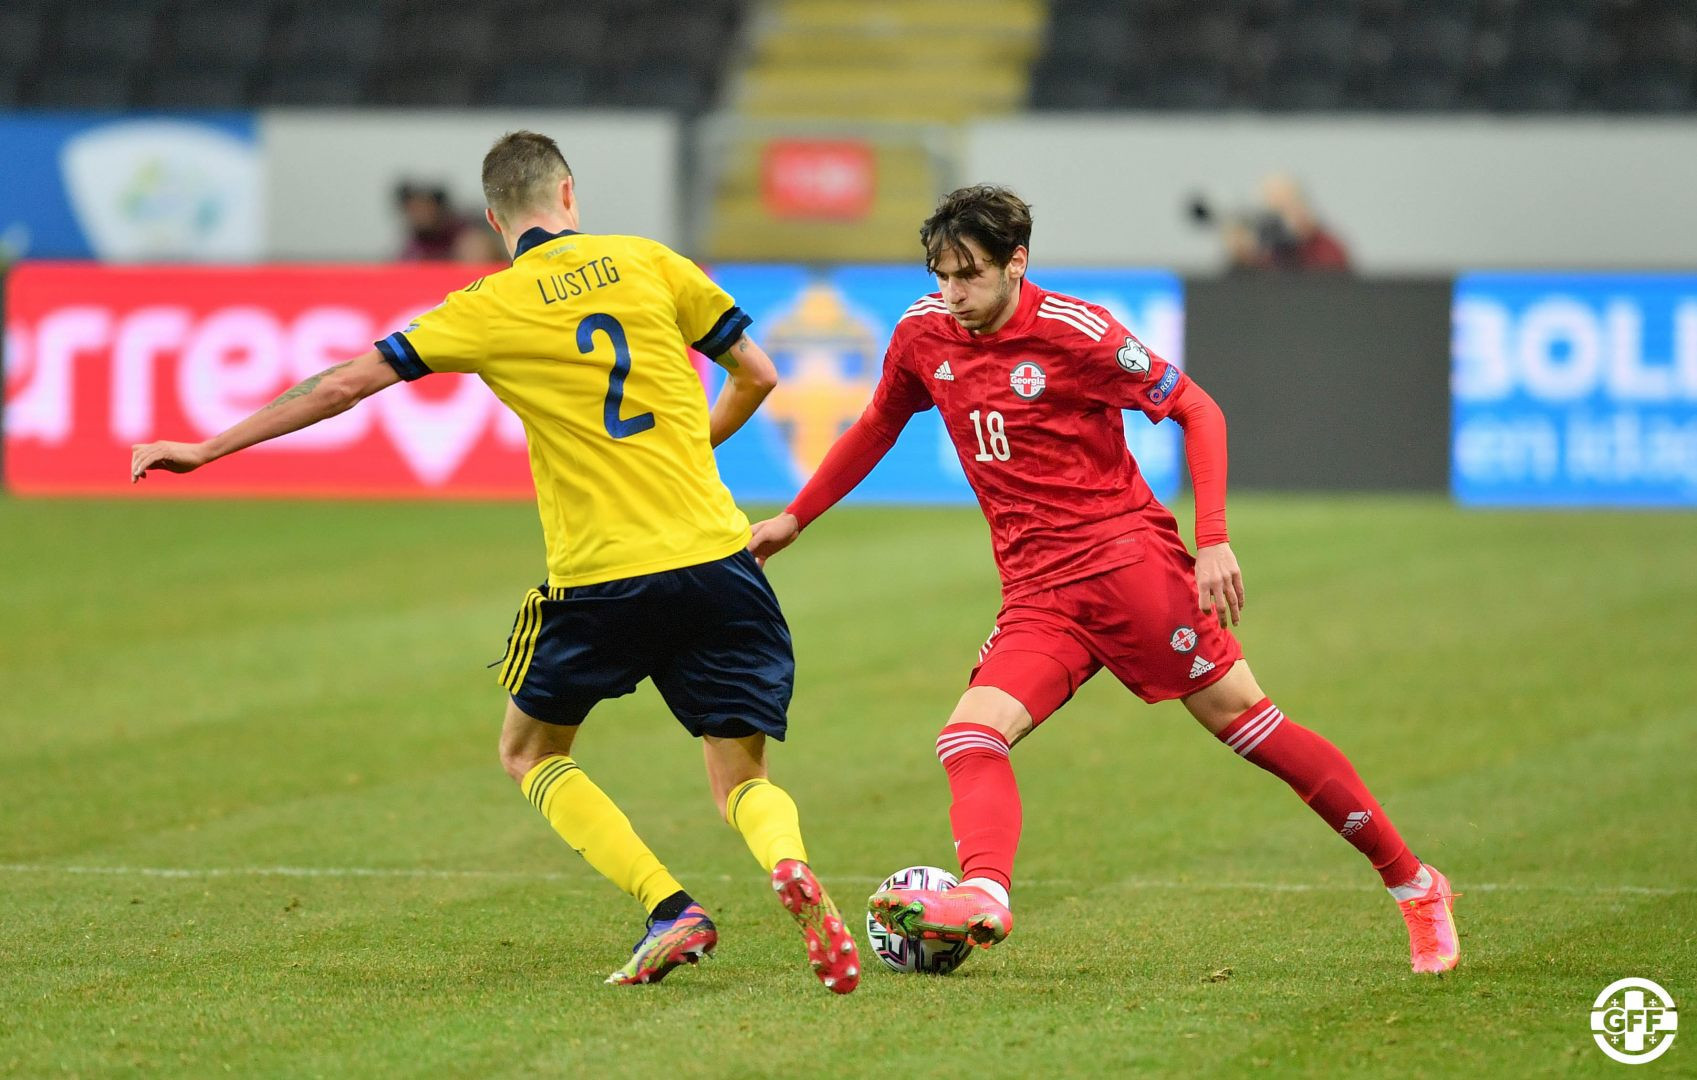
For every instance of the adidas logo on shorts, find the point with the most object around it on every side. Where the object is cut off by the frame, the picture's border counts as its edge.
(1200, 667)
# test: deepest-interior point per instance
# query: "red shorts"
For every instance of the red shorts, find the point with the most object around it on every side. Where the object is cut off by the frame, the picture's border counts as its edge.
(1140, 621)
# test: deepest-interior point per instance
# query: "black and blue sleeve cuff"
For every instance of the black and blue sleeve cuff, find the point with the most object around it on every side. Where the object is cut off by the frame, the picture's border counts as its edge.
(717, 341)
(400, 354)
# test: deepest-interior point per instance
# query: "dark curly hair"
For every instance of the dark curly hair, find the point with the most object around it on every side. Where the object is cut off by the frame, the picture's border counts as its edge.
(993, 217)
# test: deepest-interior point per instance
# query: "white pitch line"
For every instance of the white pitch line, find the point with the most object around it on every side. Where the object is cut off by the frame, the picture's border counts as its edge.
(189, 872)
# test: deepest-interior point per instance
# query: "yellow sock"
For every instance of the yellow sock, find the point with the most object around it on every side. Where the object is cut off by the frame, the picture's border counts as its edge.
(765, 815)
(597, 829)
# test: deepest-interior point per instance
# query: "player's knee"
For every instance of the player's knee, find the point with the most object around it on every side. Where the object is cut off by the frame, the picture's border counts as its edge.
(515, 762)
(986, 706)
(519, 756)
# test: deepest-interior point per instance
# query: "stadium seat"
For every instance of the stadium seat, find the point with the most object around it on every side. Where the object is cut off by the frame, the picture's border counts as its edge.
(1523, 85)
(662, 85)
(1295, 85)
(432, 39)
(1320, 35)
(325, 86)
(567, 39)
(1442, 40)
(1660, 37)
(110, 89)
(220, 34)
(1566, 41)
(1059, 84)
(102, 37)
(693, 40)
(423, 87)
(22, 31)
(320, 38)
(11, 84)
(1194, 86)
(208, 88)
(561, 86)
(1102, 38)
(1412, 86)
(1650, 89)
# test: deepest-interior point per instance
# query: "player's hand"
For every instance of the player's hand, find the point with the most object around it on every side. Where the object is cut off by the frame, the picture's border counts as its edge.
(773, 535)
(1219, 583)
(174, 457)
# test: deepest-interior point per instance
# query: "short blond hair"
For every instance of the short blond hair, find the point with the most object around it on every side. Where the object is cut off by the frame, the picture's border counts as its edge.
(521, 172)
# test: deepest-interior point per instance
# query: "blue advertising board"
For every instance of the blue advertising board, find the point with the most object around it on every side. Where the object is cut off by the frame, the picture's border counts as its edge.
(131, 187)
(1574, 390)
(826, 330)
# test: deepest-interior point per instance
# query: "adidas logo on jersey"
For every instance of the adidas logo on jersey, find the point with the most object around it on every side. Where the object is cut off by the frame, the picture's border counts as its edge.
(1200, 667)
(943, 374)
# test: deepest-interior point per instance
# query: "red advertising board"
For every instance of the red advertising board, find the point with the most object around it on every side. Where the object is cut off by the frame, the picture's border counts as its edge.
(99, 358)
(818, 178)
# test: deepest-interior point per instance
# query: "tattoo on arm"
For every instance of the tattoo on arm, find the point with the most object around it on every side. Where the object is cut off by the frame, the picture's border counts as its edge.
(729, 360)
(306, 385)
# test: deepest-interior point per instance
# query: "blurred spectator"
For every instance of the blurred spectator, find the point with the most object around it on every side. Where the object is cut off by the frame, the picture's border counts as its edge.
(1282, 233)
(435, 233)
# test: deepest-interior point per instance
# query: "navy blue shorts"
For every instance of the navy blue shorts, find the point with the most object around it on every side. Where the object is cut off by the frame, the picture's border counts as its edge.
(712, 638)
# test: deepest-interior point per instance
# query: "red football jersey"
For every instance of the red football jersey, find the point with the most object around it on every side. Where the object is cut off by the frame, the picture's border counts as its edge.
(1035, 412)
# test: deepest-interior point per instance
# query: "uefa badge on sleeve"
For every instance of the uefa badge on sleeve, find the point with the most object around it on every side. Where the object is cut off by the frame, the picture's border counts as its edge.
(1134, 358)
(1634, 1021)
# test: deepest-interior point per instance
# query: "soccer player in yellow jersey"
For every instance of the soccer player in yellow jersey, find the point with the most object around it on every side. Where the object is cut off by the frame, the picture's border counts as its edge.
(586, 337)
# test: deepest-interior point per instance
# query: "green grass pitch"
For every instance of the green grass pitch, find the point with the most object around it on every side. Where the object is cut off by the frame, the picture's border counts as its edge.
(252, 824)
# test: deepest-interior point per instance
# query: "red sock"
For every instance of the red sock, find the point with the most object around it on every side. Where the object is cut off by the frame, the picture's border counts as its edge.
(1318, 772)
(985, 812)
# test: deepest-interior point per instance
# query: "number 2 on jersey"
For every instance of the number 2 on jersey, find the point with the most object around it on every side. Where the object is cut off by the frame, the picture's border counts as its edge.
(992, 422)
(618, 427)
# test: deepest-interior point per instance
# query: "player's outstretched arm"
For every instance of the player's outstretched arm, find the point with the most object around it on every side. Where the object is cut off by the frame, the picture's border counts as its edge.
(894, 400)
(318, 397)
(846, 464)
(752, 375)
(1219, 581)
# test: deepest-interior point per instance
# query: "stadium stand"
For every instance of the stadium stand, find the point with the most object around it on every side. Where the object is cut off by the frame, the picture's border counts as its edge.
(1351, 55)
(244, 53)
(857, 58)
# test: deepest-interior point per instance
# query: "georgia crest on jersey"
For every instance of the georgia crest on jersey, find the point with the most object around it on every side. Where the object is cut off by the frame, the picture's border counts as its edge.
(1035, 412)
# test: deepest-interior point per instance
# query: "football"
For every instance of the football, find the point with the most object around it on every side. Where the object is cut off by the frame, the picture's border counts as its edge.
(908, 955)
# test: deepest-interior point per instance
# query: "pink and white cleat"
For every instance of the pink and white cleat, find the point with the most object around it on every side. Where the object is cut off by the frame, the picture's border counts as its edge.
(831, 950)
(963, 913)
(1433, 944)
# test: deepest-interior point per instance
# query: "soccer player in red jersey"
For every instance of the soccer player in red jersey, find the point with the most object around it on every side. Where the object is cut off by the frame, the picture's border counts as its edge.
(1031, 386)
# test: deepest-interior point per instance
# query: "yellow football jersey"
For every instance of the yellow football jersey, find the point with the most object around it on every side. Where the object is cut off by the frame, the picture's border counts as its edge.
(587, 339)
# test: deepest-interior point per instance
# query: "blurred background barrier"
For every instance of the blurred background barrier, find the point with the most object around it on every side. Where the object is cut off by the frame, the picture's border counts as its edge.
(100, 357)
(330, 174)
(1328, 382)
(95, 185)
(1575, 390)
(103, 357)
(1559, 389)
(1317, 172)
(1414, 195)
